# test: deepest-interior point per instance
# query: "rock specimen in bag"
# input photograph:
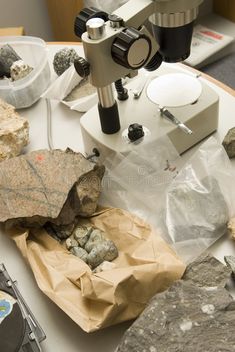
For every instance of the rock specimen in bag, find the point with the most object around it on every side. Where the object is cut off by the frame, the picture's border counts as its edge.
(7, 57)
(196, 211)
(91, 245)
(189, 316)
(14, 131)
(63, 59)
(19, 69)
(83, 89)
(53, 186)
(229, 143)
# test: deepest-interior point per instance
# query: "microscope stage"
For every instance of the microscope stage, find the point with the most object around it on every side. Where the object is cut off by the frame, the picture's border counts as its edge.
(201, 116)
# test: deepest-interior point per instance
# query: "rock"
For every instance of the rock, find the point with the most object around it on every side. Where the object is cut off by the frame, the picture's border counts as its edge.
(102, 251)
(95, 238)
(19, 70)
(7, 57)
(63, 59)
(196, 212)
(230, 262)
(14, 132)
(229, 143)
(80, 253)
(82, 234)
(71, 242)
(188, 316)
(49, 186)
(206, 271)
(231, 227)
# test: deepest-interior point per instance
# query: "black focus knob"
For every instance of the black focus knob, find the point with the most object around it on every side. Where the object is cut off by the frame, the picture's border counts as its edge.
(135, 131)
(85, 15)
(131, 48)
(82, 67)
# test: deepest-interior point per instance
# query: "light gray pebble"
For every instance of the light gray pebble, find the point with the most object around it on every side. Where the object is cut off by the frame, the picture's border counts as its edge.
(71, 242)
(82, 234)
(103, 251)
(96, 237)
(80, 253)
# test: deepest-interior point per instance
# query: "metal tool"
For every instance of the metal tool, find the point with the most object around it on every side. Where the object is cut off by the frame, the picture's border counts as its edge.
(138, 91)
(170, 117)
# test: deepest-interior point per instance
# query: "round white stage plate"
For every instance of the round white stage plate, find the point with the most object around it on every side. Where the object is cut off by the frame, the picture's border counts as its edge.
(174, 90)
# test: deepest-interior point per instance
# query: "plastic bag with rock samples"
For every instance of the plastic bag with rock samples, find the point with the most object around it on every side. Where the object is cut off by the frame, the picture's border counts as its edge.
(190, 204)
(73, 91)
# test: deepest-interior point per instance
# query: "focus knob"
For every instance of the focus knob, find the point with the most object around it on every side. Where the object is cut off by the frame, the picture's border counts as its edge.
(131, 48)
(135, 131)
(82, 67)
(85, 15)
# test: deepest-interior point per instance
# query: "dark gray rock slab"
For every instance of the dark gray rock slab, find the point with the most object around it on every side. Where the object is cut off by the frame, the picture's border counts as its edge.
(195, 314)
(207, 271)
(229, 143)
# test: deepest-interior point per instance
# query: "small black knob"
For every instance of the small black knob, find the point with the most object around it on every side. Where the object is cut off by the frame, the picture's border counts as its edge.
(82, 67)
(131, 48)
(135, 131)
(85, 15)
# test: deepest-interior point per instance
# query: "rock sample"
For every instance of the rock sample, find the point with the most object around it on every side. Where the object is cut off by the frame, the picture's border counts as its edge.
(231, 227)
(19, 70)
(229, 143)
(189, 316)
(48, 186)
(7, 57)
(196, 212)
(63, 59)
(14, 131)
(230, 262)
(91, 245)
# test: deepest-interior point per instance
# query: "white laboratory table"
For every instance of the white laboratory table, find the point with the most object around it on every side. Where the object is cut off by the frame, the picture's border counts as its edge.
(63, 335)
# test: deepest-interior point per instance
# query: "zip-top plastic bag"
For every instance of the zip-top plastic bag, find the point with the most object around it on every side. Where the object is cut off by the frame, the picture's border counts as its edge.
(189, 204)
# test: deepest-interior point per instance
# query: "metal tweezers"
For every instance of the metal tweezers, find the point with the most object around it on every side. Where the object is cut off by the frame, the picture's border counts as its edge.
(170, 117)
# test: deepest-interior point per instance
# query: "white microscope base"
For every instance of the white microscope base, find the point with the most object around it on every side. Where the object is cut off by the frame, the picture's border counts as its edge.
(201, 117)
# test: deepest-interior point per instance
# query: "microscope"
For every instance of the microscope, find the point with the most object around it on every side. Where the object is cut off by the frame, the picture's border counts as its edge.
(172, 101)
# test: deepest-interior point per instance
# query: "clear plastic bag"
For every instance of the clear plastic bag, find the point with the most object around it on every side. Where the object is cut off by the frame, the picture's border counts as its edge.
(189, 203)
(105, 5)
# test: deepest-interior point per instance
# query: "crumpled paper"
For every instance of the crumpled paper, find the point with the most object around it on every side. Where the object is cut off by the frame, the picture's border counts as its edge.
(145, 265)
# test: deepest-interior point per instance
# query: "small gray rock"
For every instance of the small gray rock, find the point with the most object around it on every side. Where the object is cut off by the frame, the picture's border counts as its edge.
(229, 143)
(80, 253)
(7, 57)
(207, 271)
(63, 59)
(95, 238)
(230, 262)
(103, 251)
(82, 234)
(71, 242)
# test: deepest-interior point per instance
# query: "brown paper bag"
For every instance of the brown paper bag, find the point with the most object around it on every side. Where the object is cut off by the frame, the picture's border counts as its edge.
(145, 265)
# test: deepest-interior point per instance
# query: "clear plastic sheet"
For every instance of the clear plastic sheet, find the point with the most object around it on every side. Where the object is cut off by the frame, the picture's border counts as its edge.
(190, 203)
(63, 85)
(105, 5)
